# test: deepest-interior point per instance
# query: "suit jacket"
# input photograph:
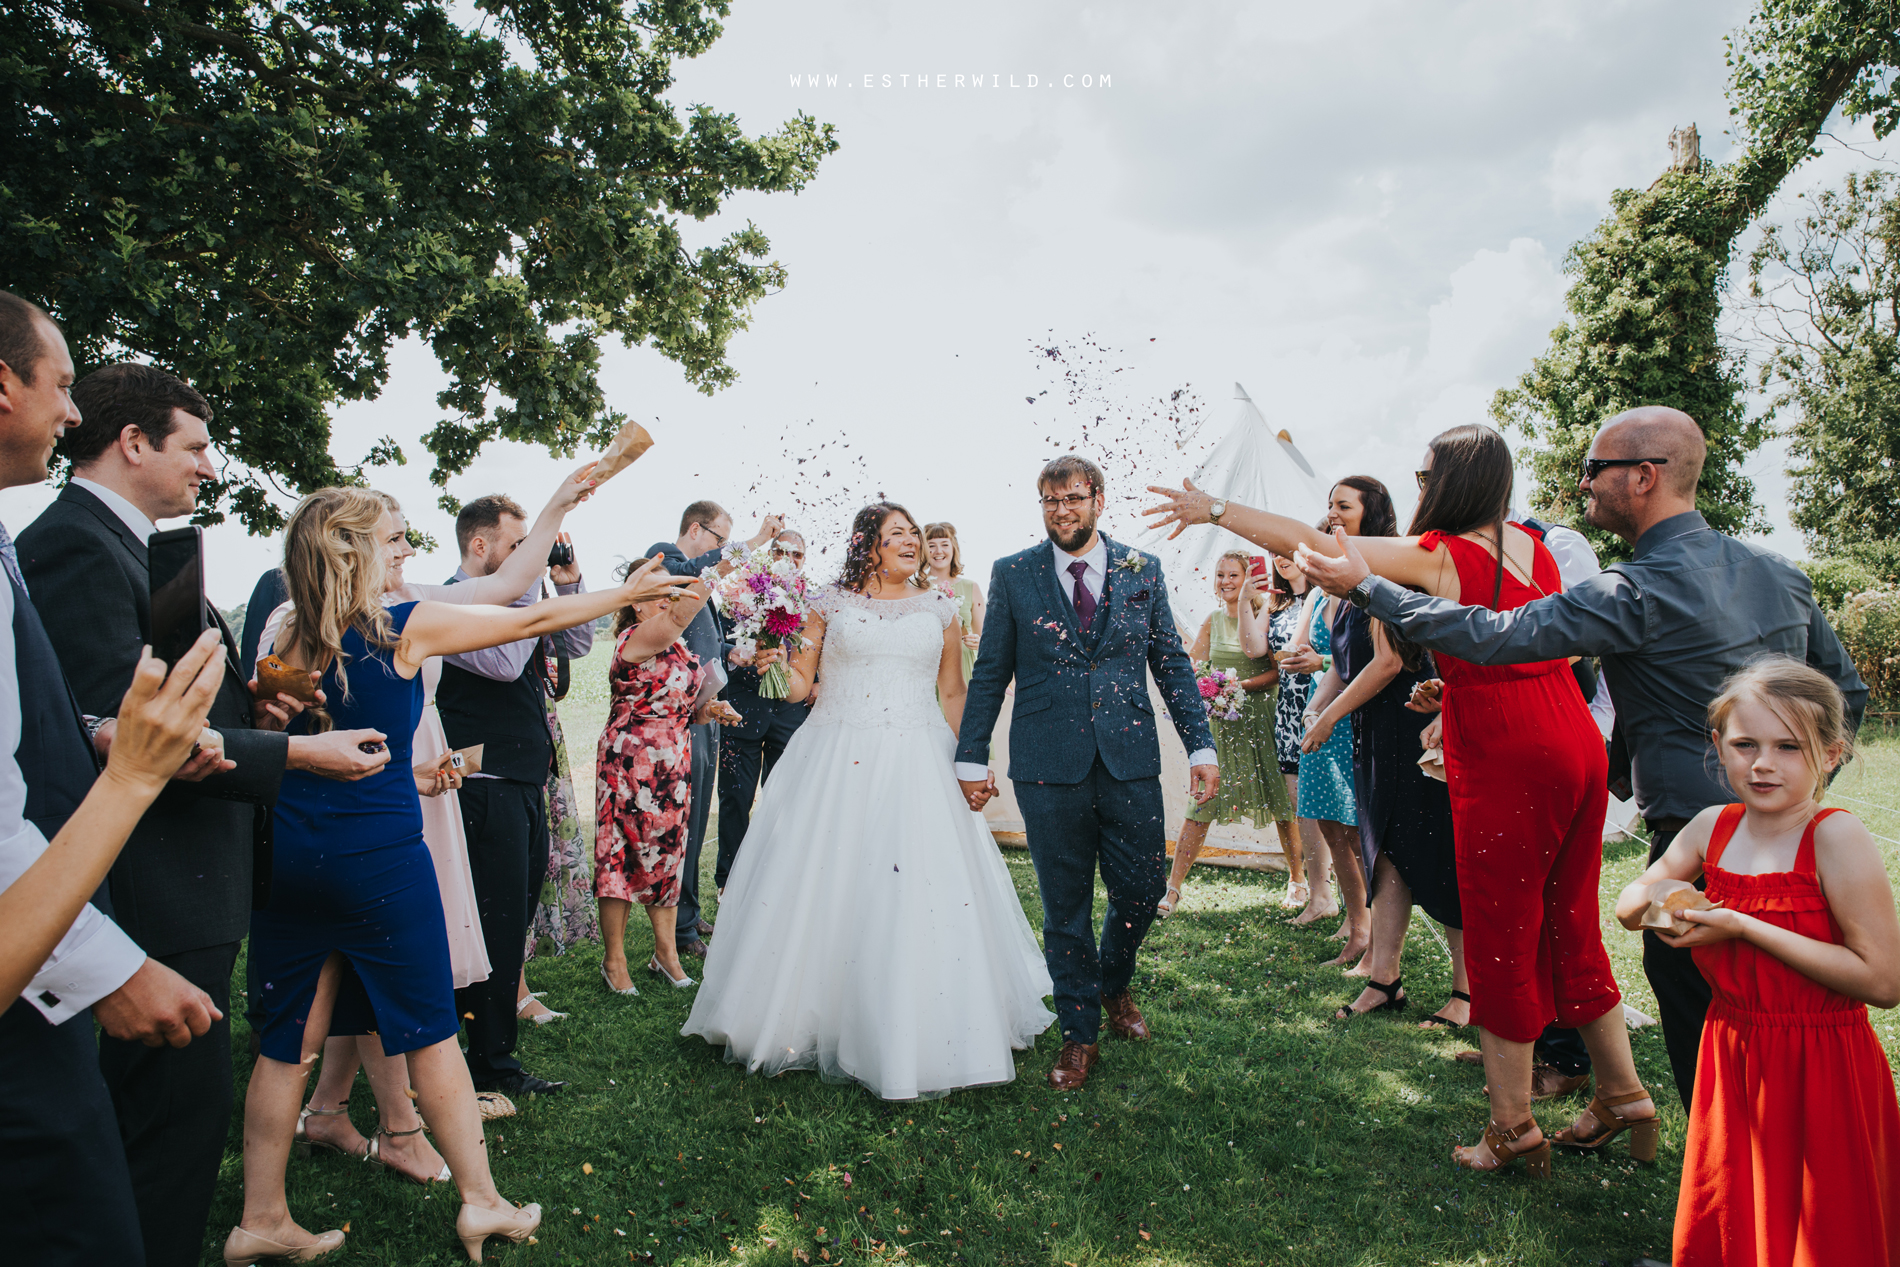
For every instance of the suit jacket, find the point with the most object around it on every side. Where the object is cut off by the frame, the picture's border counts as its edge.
(1080, 693)
(185, 878)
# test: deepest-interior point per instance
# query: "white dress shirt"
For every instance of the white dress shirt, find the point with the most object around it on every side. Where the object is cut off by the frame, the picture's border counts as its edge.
(1094, 577)
(95, 957)
(131, 516)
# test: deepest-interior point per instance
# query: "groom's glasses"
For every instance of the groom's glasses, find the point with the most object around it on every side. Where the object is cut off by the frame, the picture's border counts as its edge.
(1074, 501)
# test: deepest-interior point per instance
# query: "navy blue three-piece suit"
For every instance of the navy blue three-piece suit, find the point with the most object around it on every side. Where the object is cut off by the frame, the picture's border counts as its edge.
(1085, 755)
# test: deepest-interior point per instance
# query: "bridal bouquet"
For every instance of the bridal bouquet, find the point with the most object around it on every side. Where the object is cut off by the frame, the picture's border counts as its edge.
(1222, 693)
(766, 604)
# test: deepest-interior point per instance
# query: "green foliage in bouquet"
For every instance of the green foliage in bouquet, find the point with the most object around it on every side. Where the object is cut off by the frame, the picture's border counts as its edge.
(264, 197)
(1648, 284)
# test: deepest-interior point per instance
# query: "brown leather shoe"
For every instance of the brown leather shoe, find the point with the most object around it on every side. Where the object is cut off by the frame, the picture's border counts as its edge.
(702, 928)
(693, 947)
(1072, 1066)
(1123, 1016)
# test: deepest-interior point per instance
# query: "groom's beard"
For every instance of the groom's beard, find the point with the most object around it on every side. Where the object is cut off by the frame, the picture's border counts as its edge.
(1072, 538)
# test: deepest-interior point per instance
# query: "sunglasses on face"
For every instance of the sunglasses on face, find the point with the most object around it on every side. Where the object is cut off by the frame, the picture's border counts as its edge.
(1593, 467)
(1422, 477)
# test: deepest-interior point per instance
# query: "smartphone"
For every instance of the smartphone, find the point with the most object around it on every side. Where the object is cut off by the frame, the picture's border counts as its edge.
(175, 564)
(1258, 566)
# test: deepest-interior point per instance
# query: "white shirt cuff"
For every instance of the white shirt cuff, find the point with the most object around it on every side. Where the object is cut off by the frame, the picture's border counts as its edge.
(95, 958)
(1204, 757)
(972, 773)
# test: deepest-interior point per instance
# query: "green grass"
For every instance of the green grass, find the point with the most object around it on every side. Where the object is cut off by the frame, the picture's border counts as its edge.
(1251, 1130)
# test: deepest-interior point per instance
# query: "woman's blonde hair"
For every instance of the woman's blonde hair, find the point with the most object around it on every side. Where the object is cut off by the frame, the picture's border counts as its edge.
(1807, 703)
(1246, 564)
(335, 569)
(948, 531)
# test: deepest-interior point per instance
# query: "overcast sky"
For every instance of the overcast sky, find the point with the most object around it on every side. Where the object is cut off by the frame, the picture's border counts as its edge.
(1357, 210)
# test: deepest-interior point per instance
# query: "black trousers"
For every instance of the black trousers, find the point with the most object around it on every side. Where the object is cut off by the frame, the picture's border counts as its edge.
(705, 741)
(1682, 995)
(507, 826)
(747, 753)
(174, 1112)
(1563, 1050)
(62, 1168)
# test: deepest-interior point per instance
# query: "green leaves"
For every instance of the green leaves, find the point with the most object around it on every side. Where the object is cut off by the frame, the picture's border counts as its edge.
(1649, 283)
(264, 199)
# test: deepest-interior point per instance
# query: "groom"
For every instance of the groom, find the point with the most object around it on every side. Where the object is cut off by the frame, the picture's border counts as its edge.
(1078, 623)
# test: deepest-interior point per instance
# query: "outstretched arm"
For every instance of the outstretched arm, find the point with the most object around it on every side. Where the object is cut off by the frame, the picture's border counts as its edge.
(445, 629)
(520, 570)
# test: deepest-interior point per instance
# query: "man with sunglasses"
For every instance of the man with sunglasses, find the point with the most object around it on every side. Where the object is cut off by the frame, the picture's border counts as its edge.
(749, 750)
(1690, 608)
(705, 527)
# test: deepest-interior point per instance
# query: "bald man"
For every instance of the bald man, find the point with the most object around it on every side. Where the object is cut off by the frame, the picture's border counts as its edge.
(1692, 607)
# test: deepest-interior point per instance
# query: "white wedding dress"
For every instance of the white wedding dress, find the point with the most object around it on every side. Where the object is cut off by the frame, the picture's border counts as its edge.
(869, 929)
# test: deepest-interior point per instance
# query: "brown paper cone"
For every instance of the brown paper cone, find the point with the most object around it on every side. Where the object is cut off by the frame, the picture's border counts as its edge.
(622, 451)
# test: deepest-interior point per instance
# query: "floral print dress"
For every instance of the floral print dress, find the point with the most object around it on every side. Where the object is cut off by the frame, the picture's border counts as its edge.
(643, 777)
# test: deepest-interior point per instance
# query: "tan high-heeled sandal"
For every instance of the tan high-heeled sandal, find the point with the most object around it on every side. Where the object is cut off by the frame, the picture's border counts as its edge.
(1166, 906)
(303, 1145)
(1645, 1132)
(242, 1248)
(475, 1224)
(375, 1156)
(1536, 1160)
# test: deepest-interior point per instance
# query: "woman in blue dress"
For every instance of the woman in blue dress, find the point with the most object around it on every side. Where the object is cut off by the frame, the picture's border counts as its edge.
(1326, 782)
(353, 940)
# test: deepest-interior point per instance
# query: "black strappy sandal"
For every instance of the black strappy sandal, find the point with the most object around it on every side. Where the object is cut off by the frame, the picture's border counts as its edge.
(1445, 1024)
(1394, 1001)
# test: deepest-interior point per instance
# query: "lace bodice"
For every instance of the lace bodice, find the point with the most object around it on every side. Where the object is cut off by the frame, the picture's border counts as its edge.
(880, 659)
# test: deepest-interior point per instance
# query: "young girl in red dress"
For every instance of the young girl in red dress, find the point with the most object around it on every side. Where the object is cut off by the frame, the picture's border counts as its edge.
(1793, 1155)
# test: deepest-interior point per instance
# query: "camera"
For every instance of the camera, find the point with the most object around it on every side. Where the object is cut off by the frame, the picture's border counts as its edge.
(562, 555)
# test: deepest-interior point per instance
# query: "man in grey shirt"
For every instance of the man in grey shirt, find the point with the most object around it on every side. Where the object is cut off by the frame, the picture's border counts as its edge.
(1692, 607)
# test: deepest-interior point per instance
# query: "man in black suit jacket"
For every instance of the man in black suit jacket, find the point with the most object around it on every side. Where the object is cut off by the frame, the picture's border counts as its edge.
(183, 887)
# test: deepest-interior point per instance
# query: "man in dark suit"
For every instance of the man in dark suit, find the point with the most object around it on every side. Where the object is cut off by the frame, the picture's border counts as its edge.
(1079, 622)
(749, 750)
(705, 528)
(183, 887)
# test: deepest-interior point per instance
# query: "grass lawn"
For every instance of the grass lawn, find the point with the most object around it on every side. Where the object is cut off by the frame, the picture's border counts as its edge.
(1251, 1130)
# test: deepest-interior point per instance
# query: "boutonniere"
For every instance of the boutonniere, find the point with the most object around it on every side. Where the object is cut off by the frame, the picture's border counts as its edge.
(1132, 563)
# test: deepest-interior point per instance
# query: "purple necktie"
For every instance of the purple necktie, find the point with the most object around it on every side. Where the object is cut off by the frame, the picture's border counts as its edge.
(1084, 601)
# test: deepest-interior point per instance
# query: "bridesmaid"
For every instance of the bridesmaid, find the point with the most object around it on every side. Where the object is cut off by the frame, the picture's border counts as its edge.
(1250, 782)
(643, 782)
(945, 557)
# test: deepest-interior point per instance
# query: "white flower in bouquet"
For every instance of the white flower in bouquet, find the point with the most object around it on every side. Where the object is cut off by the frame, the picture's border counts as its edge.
(765, 602)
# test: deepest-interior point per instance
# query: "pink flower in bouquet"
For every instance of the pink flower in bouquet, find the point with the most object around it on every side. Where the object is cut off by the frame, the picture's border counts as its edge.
(1210, 687)
(781, 623)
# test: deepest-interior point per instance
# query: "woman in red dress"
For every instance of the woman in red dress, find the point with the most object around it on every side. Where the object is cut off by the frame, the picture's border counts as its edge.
(1793, 1156)
(1527, 773)
(643, 781)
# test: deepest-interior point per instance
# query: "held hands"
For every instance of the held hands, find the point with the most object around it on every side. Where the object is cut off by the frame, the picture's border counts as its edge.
(1427, 697)
(1203, 783)
(1337, 576)
(161, 718)
(981, 794)
(1185, 506)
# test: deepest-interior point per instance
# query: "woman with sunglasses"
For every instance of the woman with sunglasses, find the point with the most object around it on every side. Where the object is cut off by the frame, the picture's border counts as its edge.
(1527, 773)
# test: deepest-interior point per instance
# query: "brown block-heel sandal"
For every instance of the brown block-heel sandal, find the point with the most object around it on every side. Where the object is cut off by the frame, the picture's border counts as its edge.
(1536, 1160)
(1644, 1131)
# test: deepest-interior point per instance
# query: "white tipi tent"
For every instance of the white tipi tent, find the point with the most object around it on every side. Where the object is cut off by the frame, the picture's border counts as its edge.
(1254, 465)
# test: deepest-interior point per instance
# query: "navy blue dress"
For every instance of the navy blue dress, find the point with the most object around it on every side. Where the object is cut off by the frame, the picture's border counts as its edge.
(1404, 813)
(350, 874)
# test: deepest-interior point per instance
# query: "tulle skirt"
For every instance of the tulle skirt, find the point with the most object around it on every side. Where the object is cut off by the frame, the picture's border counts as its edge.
(869, 929)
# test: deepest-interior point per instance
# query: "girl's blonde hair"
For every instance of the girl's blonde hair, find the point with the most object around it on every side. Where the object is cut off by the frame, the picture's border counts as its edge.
(1246, 565)
(1807, 702)
(948, 531)
(335, 569)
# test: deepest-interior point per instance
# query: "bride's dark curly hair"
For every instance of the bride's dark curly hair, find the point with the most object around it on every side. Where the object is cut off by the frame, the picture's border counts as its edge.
(860, 555)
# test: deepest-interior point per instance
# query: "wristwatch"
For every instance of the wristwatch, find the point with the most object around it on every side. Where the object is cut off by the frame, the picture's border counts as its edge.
(1216, 510)
(1360, 595)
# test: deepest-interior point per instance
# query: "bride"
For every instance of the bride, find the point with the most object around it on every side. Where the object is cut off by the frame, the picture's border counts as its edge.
(869, 929)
